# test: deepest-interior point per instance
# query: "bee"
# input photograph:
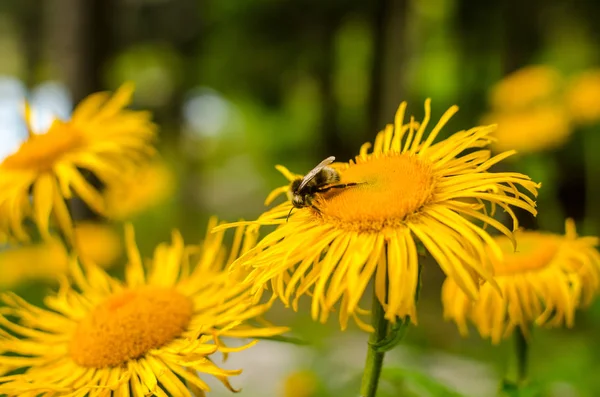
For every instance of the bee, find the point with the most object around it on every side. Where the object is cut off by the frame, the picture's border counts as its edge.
(320, 179)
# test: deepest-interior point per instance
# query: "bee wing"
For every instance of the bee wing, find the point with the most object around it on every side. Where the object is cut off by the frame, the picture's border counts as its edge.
(307, 178)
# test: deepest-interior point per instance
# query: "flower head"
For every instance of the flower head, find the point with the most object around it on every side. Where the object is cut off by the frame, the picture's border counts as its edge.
(528, 107)
(540, 128)
(543, 282)
(101, 138)
(301, 384)
(141, 190)
(149, 335)
(583, 97)
(99, 243)
(406, 191)
(525, 88)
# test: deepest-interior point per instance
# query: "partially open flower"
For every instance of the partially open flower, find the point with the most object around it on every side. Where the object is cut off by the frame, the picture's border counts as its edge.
(366, 226)
(543, 282)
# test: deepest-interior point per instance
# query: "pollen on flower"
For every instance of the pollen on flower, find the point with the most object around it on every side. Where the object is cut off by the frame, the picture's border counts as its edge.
(534, 252)
(128, 325)
(41, 151)
(390, 189)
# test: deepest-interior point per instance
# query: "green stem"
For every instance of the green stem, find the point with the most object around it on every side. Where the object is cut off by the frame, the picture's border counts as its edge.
(384, 338)
(375, 356)
(521, 350)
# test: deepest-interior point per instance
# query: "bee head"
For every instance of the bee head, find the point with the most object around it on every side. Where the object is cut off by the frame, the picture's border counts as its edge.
(298, 201)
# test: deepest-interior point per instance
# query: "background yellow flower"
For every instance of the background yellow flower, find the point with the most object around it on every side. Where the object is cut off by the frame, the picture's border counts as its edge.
(301, 384)
(530, 111)
(525, 88)
(48, 168)
(583, 96)
(49, 259)
(543, 282)
(542, 127)
(139, 191)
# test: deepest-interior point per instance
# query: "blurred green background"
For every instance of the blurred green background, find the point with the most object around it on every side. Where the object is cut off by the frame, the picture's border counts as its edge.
(239, 86)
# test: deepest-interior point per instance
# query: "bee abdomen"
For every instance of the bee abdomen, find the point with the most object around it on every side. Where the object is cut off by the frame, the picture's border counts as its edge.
(327, 176)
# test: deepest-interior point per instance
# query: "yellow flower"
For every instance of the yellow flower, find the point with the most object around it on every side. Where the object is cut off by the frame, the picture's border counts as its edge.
(47, 260)
(139, 191)
(583, 97)
(528, 107)
(408, 190)
(36, 262)
(539, 128)
(543, 282)
(152, 334)
(526, 87)
(98, 243)
(45, 170)
(301, 384)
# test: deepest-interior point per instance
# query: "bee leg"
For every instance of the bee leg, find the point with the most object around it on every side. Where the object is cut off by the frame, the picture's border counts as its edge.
(338, 186)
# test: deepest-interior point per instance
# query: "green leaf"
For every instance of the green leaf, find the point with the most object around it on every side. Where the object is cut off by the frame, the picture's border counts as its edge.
(285, 339)
(401, 376)
(394, 336)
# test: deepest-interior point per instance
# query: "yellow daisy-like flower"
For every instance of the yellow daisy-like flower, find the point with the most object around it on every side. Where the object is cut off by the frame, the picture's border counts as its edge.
(141, 190)
(543, 282)
(408, 190)
(528, 131)
(97, 243)
(101, 137)
(528, 107)
(152, 334)
(526, 87)
(583, 97)
(301, 384)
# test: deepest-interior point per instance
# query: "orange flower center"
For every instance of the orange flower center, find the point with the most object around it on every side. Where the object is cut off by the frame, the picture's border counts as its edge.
(128, 325)
(534, 252)
(391, 188)
(41, 151)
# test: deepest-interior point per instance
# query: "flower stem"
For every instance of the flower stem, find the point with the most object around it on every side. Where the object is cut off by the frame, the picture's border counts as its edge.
(375, 356)
(521, 350)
